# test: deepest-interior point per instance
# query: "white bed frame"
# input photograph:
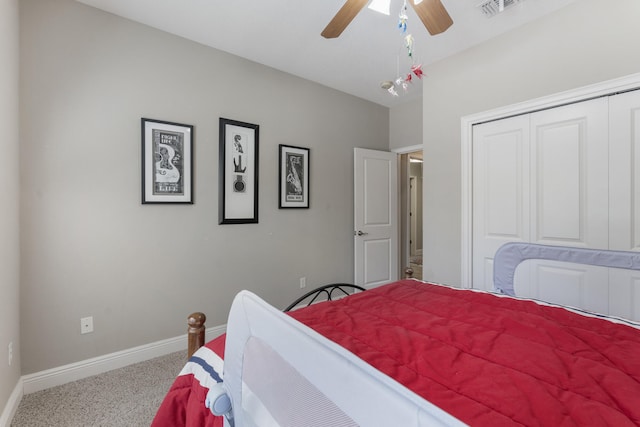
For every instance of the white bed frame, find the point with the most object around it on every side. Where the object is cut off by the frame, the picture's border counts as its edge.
(279, 372)
(273, 361)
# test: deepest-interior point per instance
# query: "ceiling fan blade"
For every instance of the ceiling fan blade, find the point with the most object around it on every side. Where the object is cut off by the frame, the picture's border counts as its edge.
(433, 15)
(344, 16)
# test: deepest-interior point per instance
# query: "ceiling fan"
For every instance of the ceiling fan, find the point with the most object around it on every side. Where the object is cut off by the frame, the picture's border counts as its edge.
(431, 12)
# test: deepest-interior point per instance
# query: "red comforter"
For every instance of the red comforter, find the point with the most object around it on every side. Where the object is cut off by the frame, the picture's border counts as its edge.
(487, 360)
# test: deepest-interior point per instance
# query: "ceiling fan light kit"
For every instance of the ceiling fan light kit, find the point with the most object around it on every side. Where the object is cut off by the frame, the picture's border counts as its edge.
(381, 6)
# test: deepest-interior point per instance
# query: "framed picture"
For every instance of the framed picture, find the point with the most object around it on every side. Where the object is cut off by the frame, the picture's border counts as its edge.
(294, 177)
(238, 172)
(167, 162)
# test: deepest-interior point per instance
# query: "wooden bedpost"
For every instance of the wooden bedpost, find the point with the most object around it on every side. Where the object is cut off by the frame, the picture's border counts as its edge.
(408, 273)
(195, 332)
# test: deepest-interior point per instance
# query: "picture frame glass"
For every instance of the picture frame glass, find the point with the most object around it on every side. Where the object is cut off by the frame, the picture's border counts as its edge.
(238, 172)
(167, 162)
(294, 177)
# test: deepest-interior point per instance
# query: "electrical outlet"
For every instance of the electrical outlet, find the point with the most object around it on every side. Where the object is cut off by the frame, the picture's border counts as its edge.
(86, 325)
(10, 351)
(303, 282)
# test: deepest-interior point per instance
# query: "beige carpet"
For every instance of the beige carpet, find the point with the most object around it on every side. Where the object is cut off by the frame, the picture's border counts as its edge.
(124, 397)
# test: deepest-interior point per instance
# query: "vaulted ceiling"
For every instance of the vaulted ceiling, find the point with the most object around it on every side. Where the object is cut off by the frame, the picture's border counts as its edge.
(285, 35)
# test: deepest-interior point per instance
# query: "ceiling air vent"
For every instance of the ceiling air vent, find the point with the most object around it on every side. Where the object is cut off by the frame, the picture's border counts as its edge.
(492, 7)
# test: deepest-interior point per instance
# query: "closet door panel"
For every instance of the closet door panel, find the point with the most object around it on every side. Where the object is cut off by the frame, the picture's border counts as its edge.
(500, 191)
(569, 175)
(569, 284)
(624, 200)
(559, 184)
(569, 199)
(624, 175)
(624, 294)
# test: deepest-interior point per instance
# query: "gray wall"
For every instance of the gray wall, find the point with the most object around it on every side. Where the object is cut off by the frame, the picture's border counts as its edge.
(584, 43)
(9, 208)
(405, 124)
(91, 249)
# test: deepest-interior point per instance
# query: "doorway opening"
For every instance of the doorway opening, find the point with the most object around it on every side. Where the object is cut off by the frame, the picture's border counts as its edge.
(411, 211)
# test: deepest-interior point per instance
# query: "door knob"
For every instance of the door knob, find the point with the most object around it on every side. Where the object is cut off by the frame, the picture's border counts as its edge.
(361, 233)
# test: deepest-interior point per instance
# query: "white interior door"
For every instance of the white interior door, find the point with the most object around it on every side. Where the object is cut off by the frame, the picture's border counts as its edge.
(543, 178)
(375, 217)
(624, 199)
(500, 192)
(624, 160)
(569, 175)
(569, 201)
(584, 190)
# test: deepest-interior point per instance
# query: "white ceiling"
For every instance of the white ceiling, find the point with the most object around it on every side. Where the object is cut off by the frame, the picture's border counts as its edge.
(285, 34)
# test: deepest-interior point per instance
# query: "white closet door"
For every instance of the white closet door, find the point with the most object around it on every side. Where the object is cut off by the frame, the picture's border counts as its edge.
(569, 200)
(624, 205)
(565, 176)
(500, 191)
(624, 161)
(570, 175)
(543, 178)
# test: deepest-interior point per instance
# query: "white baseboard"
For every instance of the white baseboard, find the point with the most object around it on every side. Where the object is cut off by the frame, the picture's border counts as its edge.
(12, 405)
(97, 365)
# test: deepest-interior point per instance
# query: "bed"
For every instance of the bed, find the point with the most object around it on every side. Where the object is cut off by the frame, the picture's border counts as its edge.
(412, 353)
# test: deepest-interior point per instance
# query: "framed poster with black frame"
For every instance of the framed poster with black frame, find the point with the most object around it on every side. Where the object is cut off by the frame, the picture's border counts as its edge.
(238, 179)
(167, 162)
(294, 177)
